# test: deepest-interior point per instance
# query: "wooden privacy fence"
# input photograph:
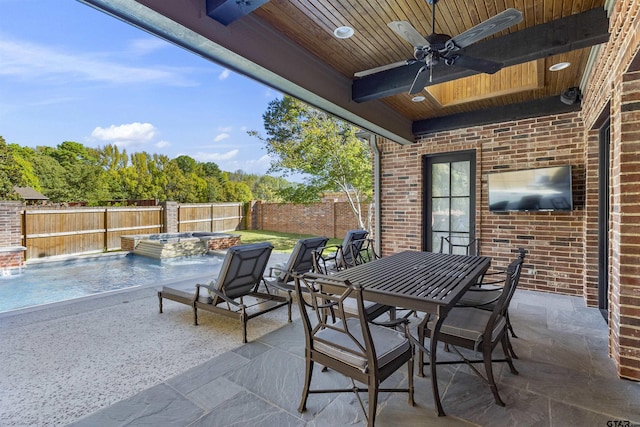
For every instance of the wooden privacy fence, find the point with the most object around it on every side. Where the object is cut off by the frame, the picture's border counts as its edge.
(83, 230)
(213, 217)
(69, 231)
(47, 232)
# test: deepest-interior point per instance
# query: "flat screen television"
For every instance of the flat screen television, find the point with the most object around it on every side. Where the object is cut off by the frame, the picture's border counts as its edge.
(542, 189)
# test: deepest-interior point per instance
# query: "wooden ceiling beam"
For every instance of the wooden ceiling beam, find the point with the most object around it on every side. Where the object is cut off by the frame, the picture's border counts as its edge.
(559, 36)
(525, 110)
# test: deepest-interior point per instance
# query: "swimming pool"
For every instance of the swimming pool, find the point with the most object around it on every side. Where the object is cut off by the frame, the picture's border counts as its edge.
(50, 282)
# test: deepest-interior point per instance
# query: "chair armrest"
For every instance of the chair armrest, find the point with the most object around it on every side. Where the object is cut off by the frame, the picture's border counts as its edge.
(279, 286)
(320, 251)
(494, 278)
(218, 293)
(320, 259)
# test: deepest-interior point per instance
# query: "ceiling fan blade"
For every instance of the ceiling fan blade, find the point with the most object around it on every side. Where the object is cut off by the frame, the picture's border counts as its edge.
(384, 68)
(420, 81)
(407, 32)
(486, 28)
(476, 64)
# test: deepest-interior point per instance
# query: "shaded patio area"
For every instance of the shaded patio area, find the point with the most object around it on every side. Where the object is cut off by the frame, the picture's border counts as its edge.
(566, 378)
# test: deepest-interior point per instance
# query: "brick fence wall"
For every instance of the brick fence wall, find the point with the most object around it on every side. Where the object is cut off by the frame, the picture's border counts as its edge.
(11, 251)
(331, 219)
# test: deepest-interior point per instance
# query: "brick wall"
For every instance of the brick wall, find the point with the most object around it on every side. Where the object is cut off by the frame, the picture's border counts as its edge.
(11, 253)
(613, 89)
(331, 219)
(562, 247)
(554, 240)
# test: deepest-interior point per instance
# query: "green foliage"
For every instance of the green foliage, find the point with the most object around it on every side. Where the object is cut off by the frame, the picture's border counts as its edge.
(9, 172)
(324, 149)
(72, 172)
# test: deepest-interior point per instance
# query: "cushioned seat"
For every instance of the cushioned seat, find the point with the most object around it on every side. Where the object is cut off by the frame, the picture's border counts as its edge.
(469, 324)
(390, 344)
(349, 343)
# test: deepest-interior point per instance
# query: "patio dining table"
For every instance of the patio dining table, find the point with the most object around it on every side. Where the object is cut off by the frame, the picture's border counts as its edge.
(427, 282)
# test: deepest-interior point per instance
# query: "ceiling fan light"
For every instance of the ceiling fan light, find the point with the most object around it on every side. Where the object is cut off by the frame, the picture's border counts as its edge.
(418, 98)
(343, 32)
(559, 66)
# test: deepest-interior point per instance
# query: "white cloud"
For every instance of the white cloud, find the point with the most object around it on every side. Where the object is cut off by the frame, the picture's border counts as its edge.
(221, 136)
(147, 45)
(216, 157)
(225, 129)
(224, 74)
(125, 135)
(162, 144)
(31, 61)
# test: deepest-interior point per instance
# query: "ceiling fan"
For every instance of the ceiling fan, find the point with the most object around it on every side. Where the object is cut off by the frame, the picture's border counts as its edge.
(441, 48)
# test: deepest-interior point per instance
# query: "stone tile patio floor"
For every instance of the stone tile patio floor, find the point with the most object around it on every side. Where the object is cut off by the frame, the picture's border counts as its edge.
(566, 379)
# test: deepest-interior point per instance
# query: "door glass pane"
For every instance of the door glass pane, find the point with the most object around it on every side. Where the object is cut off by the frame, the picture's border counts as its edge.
(460, 214)
(440, 215)
(460, 179)
(436, 241)
(440, 180)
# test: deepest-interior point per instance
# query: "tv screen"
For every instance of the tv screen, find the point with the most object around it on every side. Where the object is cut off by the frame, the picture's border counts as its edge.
(542, 189)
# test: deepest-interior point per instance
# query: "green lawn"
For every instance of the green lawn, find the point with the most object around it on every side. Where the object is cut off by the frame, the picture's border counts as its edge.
(282, 242)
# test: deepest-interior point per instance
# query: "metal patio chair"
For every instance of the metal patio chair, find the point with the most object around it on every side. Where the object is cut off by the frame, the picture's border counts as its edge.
(486, 293)
(477, 330)
(361, 350)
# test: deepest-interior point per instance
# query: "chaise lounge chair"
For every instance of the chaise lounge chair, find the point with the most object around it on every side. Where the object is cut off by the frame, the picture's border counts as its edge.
(301, 261)
(239, 279)
(346, 255)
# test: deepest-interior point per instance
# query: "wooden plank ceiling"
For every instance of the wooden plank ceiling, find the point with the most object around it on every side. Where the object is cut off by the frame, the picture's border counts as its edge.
(310, 23)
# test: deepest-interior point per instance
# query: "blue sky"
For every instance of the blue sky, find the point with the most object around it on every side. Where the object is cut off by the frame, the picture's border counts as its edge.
(71, 73)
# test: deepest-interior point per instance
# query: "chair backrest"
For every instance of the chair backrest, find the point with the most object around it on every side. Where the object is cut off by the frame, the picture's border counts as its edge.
(351, 247)
(301, 259)
(350, 337)
(461, 245)
(242, 269)
(499, 314)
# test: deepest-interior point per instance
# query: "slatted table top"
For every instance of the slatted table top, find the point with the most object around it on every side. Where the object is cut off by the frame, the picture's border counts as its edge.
(423, 281)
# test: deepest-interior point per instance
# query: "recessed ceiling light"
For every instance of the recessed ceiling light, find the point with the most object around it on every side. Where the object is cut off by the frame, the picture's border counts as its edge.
(343, 32)
(559, 66)
(418, 98)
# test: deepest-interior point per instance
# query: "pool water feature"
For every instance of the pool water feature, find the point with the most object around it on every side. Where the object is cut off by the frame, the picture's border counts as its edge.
(50, 282)
(171, 245)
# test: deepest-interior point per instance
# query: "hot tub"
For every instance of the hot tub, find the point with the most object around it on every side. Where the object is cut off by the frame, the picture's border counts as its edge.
(171, 245)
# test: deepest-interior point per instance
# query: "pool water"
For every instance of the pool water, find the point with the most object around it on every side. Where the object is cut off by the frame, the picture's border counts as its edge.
(50, 282)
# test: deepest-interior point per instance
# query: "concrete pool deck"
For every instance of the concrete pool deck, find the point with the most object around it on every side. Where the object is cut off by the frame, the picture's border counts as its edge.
(66, 360)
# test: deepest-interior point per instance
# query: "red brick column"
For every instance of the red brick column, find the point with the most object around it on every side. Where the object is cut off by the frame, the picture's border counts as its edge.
(625, 216)
(11, 250)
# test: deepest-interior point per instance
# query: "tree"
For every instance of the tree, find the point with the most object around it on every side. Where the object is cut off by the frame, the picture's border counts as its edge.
(9, 172)
(301, 139)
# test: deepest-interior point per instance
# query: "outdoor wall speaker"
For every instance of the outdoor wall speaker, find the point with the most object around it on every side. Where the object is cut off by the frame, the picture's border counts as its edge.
(227, 11)
(570, 96)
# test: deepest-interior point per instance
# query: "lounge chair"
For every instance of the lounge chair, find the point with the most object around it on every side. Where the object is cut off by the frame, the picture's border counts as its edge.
(346, 255)
(301, 261)
(239, 279)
